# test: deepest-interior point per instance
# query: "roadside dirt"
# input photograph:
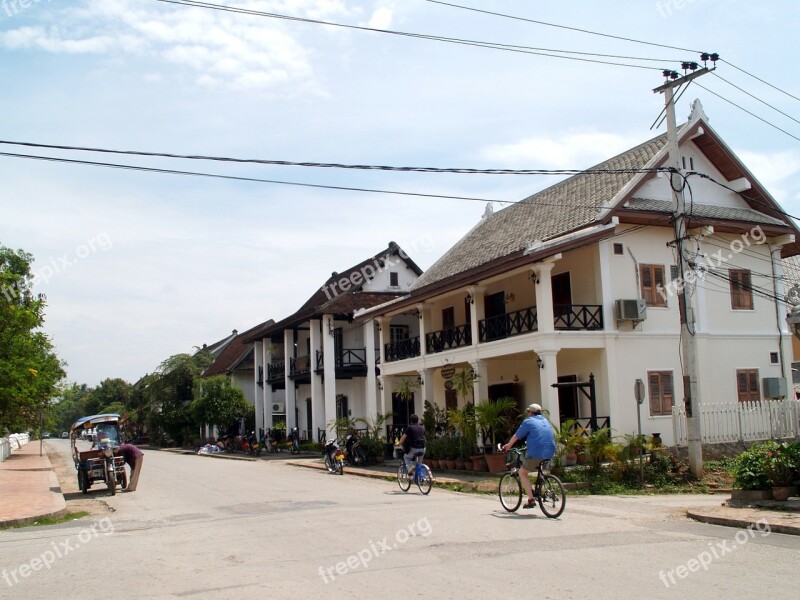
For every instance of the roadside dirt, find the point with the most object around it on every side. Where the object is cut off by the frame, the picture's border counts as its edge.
(77, 501)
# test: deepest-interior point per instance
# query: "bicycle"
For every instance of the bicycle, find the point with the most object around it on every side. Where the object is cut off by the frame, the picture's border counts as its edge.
(547, 489)
(423, 476)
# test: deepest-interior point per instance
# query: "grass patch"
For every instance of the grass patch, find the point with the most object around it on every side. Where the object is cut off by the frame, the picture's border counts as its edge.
(44, 521)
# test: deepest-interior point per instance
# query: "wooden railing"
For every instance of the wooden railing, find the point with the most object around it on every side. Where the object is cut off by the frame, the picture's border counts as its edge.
(299, 366)
(503, 326)
(578, 316)
(446, 339)
(276, 371)
(401, 350)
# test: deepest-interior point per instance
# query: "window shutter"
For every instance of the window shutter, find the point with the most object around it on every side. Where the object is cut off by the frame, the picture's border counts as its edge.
(653, 382)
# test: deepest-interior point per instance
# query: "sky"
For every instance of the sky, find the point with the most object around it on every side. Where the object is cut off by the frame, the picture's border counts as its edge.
(139, 266)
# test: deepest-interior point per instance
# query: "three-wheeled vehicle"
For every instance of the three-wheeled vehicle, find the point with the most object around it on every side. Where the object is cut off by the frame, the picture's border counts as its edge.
(102, 462)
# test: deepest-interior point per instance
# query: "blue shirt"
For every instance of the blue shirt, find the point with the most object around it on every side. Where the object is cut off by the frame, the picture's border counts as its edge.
(537, 433)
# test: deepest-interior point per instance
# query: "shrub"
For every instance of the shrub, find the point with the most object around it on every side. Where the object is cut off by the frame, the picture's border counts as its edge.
(749, 468)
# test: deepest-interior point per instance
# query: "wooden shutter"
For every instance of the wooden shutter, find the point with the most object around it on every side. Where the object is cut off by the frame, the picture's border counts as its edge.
(741, 289)
(747, 385)
(652, 279)
(660, 392)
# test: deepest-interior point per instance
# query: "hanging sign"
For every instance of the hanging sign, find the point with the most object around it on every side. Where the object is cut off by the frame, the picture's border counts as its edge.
(448, 371)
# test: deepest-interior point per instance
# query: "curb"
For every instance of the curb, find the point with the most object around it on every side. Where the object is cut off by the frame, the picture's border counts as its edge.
(55, 488)
(742, 523)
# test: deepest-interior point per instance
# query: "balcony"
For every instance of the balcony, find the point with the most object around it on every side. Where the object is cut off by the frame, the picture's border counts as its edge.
(576, 317)
(276, 373)
(349, 362)
(511, 324)
(300, 367)
(447, 339)
(403, 349)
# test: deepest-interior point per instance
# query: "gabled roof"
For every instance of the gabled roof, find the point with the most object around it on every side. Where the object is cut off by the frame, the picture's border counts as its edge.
(236, 352)
(559, 209)
(329, 299)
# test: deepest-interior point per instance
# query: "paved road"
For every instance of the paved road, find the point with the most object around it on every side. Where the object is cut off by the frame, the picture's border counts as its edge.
(204, 527)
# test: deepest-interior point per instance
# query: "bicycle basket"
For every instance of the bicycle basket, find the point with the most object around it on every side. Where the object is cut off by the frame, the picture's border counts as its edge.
(513, 458)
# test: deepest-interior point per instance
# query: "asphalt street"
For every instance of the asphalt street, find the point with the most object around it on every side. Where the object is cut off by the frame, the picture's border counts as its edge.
(210, 528)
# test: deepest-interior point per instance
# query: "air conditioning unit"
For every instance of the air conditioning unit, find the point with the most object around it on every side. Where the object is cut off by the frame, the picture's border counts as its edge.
(279, 407)
(630, 310)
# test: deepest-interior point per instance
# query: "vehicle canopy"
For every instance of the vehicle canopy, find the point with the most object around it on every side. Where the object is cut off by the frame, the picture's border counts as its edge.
(106, 425)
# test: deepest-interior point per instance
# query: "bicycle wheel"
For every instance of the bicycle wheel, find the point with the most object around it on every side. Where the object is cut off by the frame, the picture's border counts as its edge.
(340, 466)
(552, 498)
(424, 478)
(402, 478)
(510, 491)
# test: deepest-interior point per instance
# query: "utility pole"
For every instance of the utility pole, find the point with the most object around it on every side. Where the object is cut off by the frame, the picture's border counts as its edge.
(685, 289)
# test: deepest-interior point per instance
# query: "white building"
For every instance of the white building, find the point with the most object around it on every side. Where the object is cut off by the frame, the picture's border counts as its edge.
(318, 364)
(529, 296)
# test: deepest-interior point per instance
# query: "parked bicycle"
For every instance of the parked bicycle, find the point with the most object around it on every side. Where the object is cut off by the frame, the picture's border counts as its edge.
(547, 489)
(422, 476)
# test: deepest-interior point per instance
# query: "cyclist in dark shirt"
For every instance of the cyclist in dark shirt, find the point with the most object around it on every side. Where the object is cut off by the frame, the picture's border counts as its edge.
(413, 442)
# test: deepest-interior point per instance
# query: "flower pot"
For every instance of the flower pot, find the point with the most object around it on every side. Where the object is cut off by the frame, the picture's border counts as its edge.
(782, 493)
(570, 459)
(496, 463)
(479, 463)
(433, 463)
(460, 464)
(450, 464)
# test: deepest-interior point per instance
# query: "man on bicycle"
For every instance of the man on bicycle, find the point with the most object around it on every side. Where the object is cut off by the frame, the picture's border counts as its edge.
(413, 441)
(537, 433)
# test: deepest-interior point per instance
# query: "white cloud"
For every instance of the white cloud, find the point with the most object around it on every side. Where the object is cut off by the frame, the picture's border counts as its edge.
(567, 151)
(381, 18)
(223, 50)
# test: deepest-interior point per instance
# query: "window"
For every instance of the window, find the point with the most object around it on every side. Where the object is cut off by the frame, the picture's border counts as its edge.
(747, 385)
(773, 358)
(618, 249)
(394, 279)
(398, 333)
(741, 289)
(661, 395)
(652, 280)
(449, 318)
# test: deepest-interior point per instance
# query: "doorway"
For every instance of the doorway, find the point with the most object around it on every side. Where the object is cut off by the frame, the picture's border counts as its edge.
(568, 399)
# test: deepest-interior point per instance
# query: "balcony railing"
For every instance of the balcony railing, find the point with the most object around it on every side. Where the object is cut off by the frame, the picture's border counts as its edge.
(578, 316)
(299, 366)
(503, 326)
(447, 339)
(276, 372)
(403, 349)
(346, 358)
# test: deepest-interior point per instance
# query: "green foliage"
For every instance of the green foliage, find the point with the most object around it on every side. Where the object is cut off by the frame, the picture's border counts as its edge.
(405, 388)
(464, 381)
(219, 403)
(30, 371)
(495, 418)
(600, 447)
(463, 419)
(753, 469)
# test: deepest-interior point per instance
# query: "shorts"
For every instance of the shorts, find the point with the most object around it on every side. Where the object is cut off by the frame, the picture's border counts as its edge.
(412, 454)
(531, 464)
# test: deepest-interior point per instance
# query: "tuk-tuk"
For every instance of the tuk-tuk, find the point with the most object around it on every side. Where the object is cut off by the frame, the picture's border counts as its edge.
(103, 461)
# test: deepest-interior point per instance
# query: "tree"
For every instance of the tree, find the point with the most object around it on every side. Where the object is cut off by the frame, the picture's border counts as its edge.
(110, 392)
(219, 403)
(30, 371)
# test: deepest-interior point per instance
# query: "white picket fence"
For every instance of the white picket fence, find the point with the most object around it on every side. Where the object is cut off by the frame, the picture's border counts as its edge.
(741, 421)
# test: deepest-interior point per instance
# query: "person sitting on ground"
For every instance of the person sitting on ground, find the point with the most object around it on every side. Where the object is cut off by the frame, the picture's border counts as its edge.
(537, 432)
(133, 457)
(413, 442)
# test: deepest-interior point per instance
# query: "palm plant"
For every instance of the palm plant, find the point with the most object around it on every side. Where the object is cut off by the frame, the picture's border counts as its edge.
(492, 417)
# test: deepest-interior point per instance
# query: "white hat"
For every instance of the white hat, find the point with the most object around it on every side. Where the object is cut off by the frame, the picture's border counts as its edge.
(534, 408)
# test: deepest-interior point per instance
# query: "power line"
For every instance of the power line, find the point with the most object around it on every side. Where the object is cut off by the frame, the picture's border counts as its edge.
(761, 80)
(747, 111)
(577, 29)
(756, 98)
(456, 170)
(491, 45)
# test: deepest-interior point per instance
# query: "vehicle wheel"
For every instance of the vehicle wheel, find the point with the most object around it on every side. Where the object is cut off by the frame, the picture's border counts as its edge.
(84, 482)
(510, 492)
(340, 466)
(329, 464)
(295, 449)
(124, 482)
(361, 456)
(424, 478)
(402, 478)
(552, 498)
(111, 481)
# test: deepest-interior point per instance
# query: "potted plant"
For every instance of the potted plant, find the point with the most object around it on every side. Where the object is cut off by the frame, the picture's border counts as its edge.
(781, 469)
(432, 452)
(450, 451)
(492, 418)
(567, 440)
(375, 440)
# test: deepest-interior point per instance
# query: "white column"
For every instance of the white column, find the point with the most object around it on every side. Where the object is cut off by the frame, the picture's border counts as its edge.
(371, 382)
(289, 394)
(317, 391)
(427, 389)
(424, 317)
(477, 311)
(329, 350)
(544, 297)
(258, 388)
(266, 392)
(548, 376)
(480, 388)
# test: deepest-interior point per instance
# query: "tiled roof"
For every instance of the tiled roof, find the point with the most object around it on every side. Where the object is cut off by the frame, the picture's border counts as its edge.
(329, 299)
(791, 270)
(235, 353)
(723, 213)
(559, 209)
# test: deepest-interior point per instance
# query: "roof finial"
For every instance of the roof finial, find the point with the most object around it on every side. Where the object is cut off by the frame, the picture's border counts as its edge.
(489, 211)
(697, 111)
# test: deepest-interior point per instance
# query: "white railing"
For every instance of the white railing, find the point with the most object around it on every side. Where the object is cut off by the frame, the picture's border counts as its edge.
(5, 449)
(741, 421)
